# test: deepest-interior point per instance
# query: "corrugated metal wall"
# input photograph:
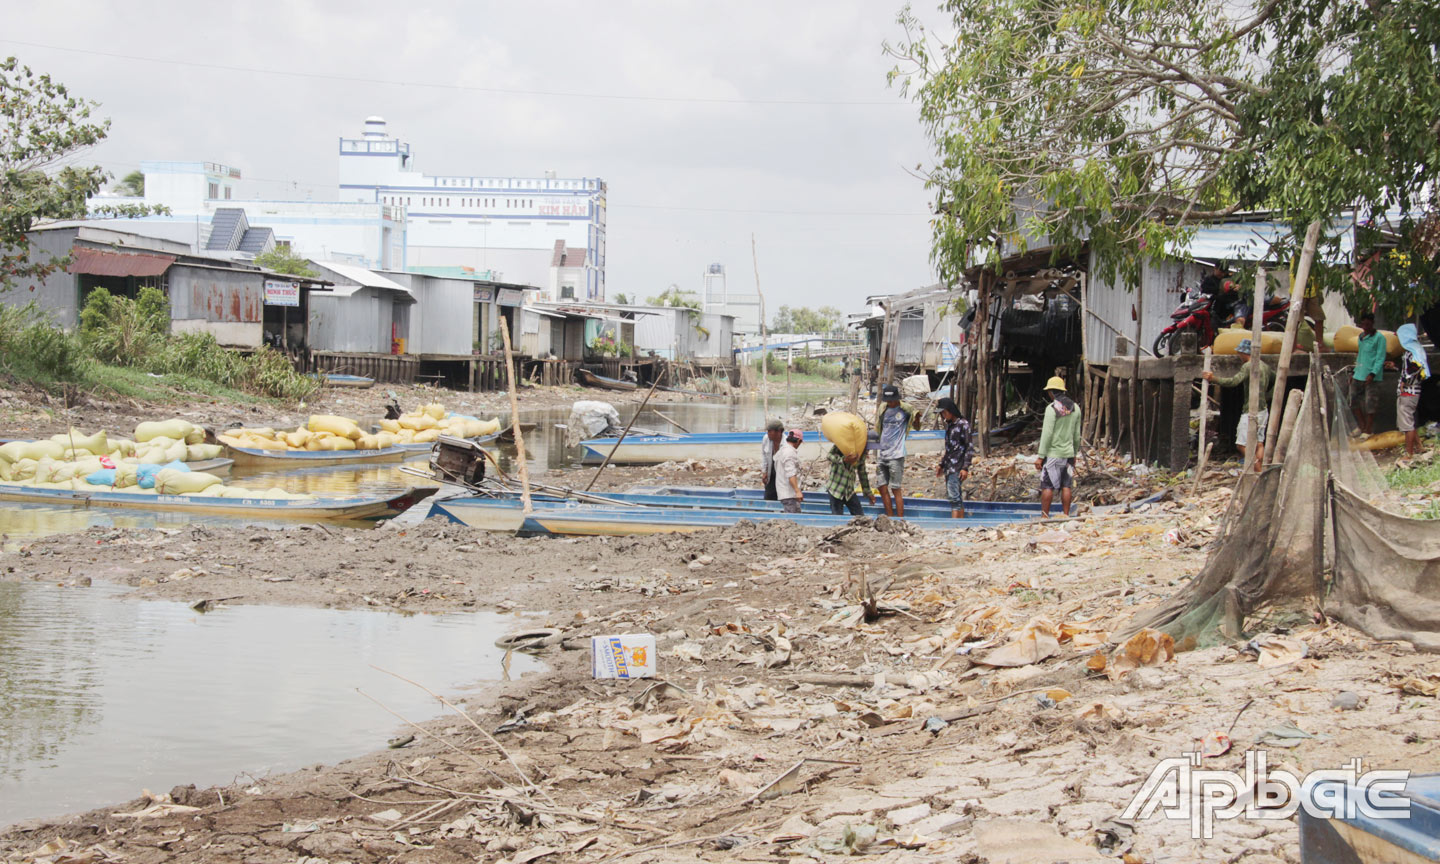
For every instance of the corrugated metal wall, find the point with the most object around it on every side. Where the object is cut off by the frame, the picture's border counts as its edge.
(228, 304)
(360, 322)
(656, 333)
(1114, 304)
(910, 340)
(442, 320)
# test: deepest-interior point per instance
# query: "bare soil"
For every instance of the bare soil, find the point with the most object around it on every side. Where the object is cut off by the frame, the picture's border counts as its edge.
(788, 719)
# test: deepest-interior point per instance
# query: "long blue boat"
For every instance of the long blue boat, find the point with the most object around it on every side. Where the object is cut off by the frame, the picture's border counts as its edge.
(661, 447)
(568, 518)
(815, 502)
(724, 493)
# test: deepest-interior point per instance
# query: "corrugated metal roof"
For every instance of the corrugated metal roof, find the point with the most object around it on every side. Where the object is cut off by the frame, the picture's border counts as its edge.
(364, 278)
(1252, 241)
(98, 262)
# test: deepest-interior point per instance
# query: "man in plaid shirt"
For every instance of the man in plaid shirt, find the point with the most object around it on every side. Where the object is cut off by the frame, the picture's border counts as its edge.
(841, 485)
(955, 464)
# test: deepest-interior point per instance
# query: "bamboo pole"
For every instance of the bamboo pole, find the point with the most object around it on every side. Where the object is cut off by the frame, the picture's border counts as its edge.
(525, 504)
(1200, 446)
(663, 416)
(1292, 326)
(981, 417)
(621, 439)
(1257, 315)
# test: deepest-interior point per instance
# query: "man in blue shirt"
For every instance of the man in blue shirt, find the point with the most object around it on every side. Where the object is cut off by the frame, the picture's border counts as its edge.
(1369, 371)
(892, 426)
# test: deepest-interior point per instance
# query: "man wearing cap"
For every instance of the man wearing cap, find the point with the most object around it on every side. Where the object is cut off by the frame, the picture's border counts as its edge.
(1267, 385)
(846, 472)
(774, 437)
(1059, 445)
(787, 472)
(892, 426)
(955, 463)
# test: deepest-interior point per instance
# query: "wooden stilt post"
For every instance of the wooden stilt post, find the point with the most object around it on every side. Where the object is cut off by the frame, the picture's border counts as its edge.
(1257, 317)
(1134, 395)
(515, 424)
(1203, 449)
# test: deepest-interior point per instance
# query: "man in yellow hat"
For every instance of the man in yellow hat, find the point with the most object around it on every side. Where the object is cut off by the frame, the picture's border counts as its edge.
(1059, 445)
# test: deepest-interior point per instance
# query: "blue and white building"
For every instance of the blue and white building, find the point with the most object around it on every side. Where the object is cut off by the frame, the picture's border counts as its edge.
(511, 226)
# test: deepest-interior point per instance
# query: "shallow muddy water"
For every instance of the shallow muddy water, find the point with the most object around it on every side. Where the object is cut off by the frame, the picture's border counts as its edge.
(102, 696)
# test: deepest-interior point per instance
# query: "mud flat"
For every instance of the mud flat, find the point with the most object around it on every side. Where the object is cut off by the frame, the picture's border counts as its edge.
(818, 694)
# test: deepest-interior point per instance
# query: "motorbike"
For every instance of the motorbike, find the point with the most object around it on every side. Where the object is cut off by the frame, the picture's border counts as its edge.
(1197, 312)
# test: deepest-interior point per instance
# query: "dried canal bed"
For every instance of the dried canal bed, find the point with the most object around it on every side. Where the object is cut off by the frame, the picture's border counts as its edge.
(101, 695)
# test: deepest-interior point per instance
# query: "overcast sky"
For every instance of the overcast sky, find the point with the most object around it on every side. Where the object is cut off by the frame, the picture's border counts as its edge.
(737, 116)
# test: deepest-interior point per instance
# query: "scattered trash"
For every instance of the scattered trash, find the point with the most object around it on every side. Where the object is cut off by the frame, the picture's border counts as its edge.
(933, 725)
(402, 741)
(1275, 650)
(1346, 700)
(1214, 744)
(1287, 735)
(1146, 648)
(625, 656)
(1037, 640)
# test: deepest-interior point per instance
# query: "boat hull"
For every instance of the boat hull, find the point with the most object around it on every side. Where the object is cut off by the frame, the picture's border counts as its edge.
(590, 379)
(655, 449)
(246, 457)
(816, 503)
(320, 509)
(561, 518)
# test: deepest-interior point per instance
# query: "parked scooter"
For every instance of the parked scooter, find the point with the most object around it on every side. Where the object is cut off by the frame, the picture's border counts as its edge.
(1197, 312)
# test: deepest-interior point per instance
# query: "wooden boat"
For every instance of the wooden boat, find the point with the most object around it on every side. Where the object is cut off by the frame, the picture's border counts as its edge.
(590, 379)
(247, 457)
(219, 467)
(652, 449)
(815, 502)
(354, 508)
(355, 381)
(571, 519)
(722, 494)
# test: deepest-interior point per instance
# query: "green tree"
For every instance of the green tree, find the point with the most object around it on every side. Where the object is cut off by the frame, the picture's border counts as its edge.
(803, 319)
(132, 184)
(41, 127)
(622, 299)
(282, 259)
(1123, 124)
(673, 296)
(122, 331)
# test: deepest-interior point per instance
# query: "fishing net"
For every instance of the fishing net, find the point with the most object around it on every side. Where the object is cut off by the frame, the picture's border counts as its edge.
(1283, 527)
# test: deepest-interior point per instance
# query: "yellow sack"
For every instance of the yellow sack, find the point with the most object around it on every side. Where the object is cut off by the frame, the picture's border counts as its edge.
(1383, 441)
(124, 446)
(388, 425)
(172, 481)
(336, 443)
(1347, 341)
(476, 428)
(315, 443)
(195, 436)
(75, 440)
(203, 452)
(296, 440)
(418, 422)
(23, 469)
(367, 442)
(846, 431)
(177, 452)
(155, 456)
(341, 426)
(125, 475)
(176, 429)
(405, 436)
(384, 440)
(435, 410)
(37, 450)
(426, 436)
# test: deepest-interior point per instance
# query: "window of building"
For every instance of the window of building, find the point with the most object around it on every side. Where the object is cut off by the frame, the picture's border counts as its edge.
(407, 201)
(212, 190)
(227, 193)
(567, 292)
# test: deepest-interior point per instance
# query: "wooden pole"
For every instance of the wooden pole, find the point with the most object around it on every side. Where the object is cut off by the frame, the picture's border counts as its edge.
(1257, 315)
(789, 362)
(621, 439)
(1134, 394)
(764, 336)
(981, 417)
(663, 416)
(526, 506)
(1200, 446)
(1292, 326)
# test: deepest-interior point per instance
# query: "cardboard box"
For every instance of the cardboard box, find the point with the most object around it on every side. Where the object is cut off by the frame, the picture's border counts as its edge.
(630, 655)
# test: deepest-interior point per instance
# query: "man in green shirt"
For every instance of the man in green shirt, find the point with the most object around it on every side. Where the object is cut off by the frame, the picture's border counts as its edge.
(1059, 445)
(1369, 371)
(1267, 386)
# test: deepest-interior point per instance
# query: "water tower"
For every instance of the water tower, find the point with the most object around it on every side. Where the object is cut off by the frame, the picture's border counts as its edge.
(714, 288)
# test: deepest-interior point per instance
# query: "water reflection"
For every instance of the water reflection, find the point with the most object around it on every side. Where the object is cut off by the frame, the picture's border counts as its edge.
(101, 697)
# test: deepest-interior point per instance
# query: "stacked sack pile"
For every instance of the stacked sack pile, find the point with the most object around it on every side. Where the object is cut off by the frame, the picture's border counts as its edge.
(329, 432)
(153, 462)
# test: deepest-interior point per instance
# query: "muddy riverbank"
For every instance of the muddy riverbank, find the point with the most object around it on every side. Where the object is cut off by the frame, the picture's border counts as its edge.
(790, 721)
